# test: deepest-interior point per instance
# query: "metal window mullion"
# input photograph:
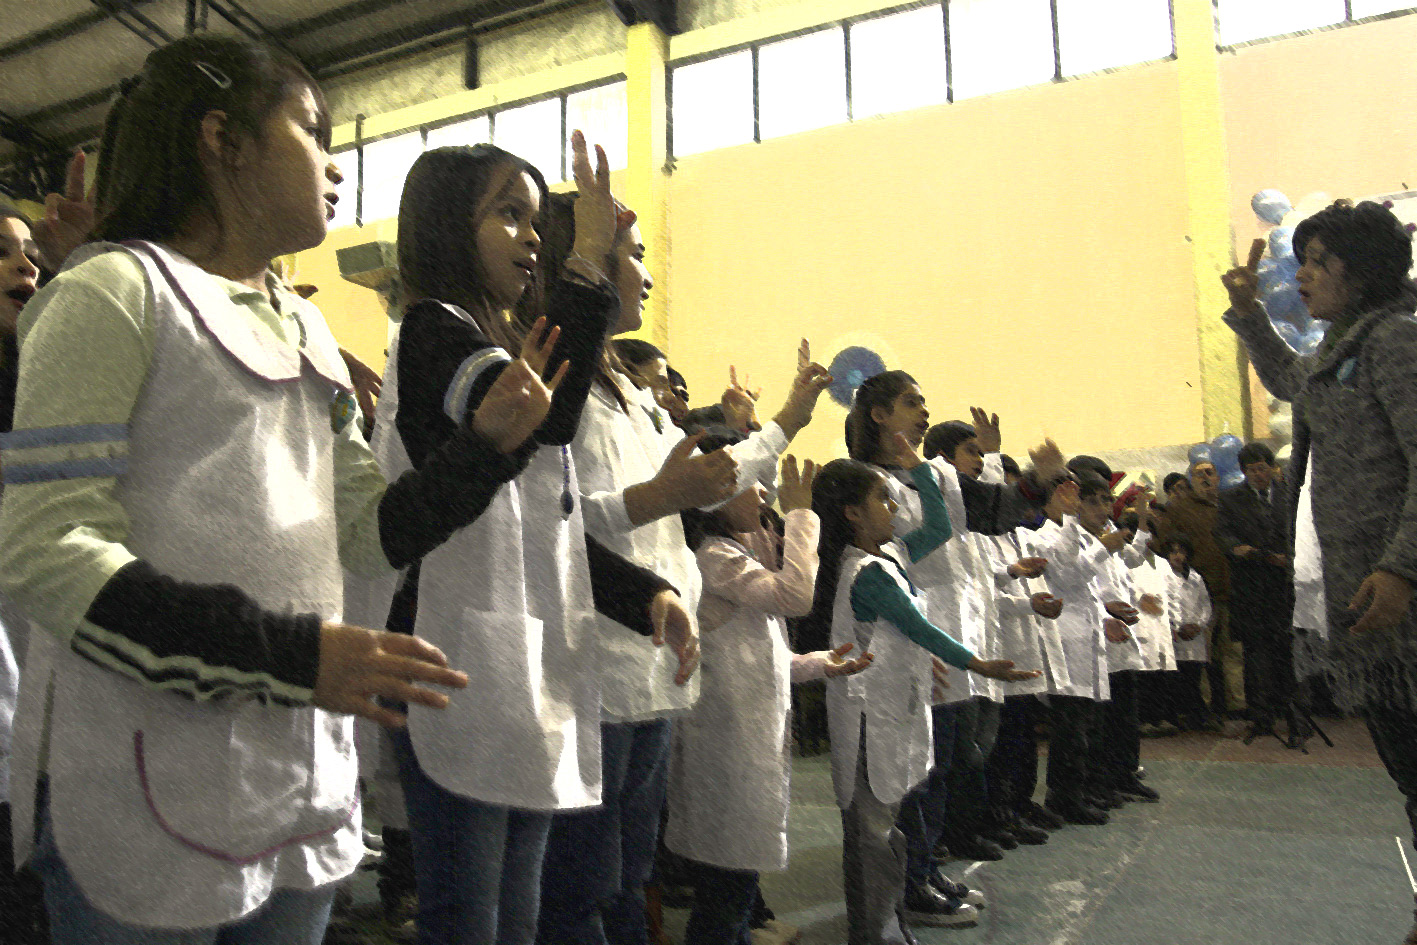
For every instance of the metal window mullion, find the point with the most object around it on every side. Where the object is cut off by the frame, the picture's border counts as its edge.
(565, 131)
(949, 55)
(846, 43)
(359, 170)
(1348, 11)
(1057, 42)
(669, 112)
(757, 117)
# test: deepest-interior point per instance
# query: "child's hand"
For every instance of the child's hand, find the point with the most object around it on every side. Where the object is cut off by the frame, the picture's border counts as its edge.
(740, 404)
(1189, 631)
(1243, 283)
(691, 481)
(367, 384)
(1115, 630)
(1028, 567)
(68, 217)
(903, 453)
(595, 212)
(673, 625)
(986, 430)
(1047, 461)
(794, 489)
(1150, 605)
(1123, 611)
(1112, 541)
(807, 386)
(1047, 606)
(357, 664)
(519, 399)
(1002, 670)
(838, 665)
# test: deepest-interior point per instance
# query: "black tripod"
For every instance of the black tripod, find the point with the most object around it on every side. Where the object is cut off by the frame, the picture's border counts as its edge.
(1297, 736)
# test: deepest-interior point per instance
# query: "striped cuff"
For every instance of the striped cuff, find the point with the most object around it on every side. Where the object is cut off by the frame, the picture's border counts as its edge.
(49, 454)
(455, 400)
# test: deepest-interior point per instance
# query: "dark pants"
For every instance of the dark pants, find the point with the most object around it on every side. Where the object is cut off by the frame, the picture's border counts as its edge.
(1075, 722)
(599, 860)
(1392, 721)
(1013, 764)
(1269, 675)
(969, 791)
(1116, 755)
(22, 917)
(923, 810)
(1156, 703)
(723, 906)
(1187, 694)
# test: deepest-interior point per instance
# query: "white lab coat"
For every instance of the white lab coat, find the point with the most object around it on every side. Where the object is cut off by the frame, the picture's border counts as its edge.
(170, 813)
(1126, 655)
(1189, 602)
(728, 792)
(1154, 633)
(1076, 565)
(1029, 640)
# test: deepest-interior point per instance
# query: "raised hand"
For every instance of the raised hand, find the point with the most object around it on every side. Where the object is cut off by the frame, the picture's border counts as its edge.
(1047, 461)
(1113, 541)
(986, 430)
(673, 625)
(1002, 670)
(838, 665)
(358, 664)
(1243, 282)
(1028, 567)
(794, 489)
(1047, 606)
(596, 209)
(68, 217)
(519, 399)
(807, 387)
(690, 481)
(740, 404)
(903, 453)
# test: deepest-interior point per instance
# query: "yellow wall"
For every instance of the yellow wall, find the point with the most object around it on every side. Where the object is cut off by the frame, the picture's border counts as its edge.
(1025, 252)
(353, 312)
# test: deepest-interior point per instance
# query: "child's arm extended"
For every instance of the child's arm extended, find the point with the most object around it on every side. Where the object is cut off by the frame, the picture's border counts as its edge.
(732, 573)
(875, 596)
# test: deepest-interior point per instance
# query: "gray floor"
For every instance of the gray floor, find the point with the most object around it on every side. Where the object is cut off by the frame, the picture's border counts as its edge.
(1235, 854)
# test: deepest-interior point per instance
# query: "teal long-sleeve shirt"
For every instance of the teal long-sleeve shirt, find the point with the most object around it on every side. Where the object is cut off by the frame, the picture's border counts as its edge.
(935, 530)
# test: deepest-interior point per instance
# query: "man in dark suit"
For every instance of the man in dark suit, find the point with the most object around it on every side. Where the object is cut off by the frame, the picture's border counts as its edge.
(1250, 529)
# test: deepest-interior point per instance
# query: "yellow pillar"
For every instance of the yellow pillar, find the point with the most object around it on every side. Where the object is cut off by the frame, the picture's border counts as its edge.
(646, 187)
(1224, 393)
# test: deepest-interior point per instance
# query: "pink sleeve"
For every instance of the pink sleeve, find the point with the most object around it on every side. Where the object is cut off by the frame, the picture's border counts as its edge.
(731, 573)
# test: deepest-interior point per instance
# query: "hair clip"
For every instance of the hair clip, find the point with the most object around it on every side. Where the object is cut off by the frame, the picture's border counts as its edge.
(216, 75)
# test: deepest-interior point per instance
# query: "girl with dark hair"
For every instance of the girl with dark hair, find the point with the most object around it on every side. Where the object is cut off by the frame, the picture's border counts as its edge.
(183, 483)
(728, 780)
(1352, 495)
(880, 720)
(1188, 614)
(482, 780)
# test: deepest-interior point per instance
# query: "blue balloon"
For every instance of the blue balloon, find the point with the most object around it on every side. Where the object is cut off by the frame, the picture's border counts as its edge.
(1284, 301)
(1309, 341)
(849, 369)
(1281, 242)
(1270, 205)
(1226, 442)
(1231, 479)
(1288, 332)
(1200, 453)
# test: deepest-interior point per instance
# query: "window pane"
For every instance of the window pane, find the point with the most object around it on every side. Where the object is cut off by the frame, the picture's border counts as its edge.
(1362, 8)
(1244, 20)
(386, 164)
(898, 62)
(348, 164)
(1000, 44)
(713, 103)
(603, 114)
(532, 132)
(802, 83)
(1104, 34)
(476, 130)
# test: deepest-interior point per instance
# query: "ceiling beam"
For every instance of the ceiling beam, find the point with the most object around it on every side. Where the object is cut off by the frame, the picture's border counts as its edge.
(124, 11)
(32, 42)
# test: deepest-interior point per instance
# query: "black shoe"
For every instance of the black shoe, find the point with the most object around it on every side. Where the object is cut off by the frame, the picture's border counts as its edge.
(975, 848)
(1076, 811)
(1134, 790)
(1029, 834)
(1039, 816)
(1103, 799)
(1003, 836)
(953, 890)
(926, 905)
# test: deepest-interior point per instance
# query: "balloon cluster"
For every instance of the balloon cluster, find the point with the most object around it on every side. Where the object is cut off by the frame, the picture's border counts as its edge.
(1278, 282)
(1224, 453)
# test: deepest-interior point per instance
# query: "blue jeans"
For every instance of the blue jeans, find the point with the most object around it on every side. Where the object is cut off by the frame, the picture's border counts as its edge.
(599, 860)
(478, 865)
(923, 810)
(723, 906)
(288, 917)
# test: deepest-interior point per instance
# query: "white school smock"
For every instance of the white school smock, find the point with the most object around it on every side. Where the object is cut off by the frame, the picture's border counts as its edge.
(1024, 637)
(1189, 603)
(1075, 563)
(1154, 633)
(1310, 598)
(167, 812)
(728, 794)
(615, 449)
(14, 636)
(508, 599)
(893, 695)
(1118, 586)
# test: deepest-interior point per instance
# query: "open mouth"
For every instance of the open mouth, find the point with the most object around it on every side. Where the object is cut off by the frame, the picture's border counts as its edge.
(330, 201)
(20, 294)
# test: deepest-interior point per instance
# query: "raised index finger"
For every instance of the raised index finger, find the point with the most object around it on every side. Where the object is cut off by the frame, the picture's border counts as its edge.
(74, 181)
(1256, 254)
